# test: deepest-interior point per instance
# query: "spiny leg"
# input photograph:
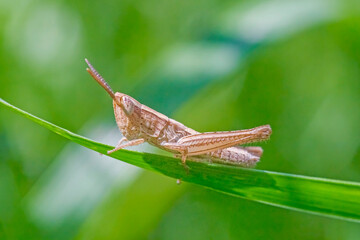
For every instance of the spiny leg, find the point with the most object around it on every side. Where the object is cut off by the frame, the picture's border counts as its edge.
(128, 144)
(183, 157)
(183, 161)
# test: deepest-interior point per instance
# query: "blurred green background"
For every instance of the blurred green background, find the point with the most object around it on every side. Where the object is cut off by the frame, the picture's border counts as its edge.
(213, 65)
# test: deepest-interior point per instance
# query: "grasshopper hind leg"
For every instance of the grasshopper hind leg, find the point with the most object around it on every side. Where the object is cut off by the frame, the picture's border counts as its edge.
(204, 143)
(183, 157)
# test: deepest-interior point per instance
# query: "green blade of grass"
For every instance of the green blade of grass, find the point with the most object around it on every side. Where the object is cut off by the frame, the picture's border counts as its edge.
(334, 198)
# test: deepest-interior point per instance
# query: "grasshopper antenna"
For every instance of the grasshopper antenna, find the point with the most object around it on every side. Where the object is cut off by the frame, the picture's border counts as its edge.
(100, 80)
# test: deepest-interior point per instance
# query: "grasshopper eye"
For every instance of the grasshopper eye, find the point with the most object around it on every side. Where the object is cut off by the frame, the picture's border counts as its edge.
(128, 105)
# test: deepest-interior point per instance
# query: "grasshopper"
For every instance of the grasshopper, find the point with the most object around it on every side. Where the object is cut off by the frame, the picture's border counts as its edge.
(139, 123)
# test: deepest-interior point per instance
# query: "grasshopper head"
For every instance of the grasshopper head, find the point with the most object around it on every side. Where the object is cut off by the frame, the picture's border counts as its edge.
(127, 103)
(127, 114)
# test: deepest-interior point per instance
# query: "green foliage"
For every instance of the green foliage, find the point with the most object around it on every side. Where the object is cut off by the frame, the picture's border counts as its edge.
(314, 195)
(213, 65)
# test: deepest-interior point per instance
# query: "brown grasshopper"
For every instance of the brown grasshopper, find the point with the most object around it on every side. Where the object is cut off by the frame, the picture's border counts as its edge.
(139, 123)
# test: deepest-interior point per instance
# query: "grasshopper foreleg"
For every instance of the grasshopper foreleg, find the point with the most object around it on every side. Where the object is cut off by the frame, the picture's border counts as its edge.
(128, 144)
